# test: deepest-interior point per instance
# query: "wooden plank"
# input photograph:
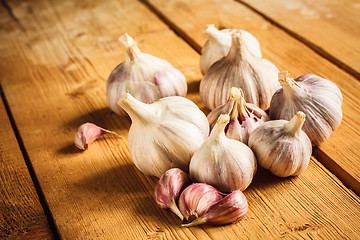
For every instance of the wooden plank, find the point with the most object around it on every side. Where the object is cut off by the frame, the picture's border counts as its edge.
(341, 151)
(338, 22)
(67, 52)
(21, 214)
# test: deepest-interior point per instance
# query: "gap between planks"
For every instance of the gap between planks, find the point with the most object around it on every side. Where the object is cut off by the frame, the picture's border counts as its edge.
(30, 168)
(320, 156)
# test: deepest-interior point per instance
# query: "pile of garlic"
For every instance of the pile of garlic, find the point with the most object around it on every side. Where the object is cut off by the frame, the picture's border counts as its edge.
(199, 159)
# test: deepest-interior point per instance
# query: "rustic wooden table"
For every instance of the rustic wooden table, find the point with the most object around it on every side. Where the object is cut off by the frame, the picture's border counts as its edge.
(54, 62)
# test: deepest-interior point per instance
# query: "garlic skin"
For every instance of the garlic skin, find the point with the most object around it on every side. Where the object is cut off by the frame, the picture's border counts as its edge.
(168, 188)
(319, 98)
(230, 209)
(218, 44)
(257, 77)
(196, 199)
(281, 146)
(164, 134)
(244, 117)
(87, 133)
(146, 77)
(224, 163)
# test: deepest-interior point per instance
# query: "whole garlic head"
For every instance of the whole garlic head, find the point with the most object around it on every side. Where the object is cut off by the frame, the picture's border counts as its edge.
(146, 77)
(281, 146)
(244, 117)
(224, 163)
(318, 98)
(164, 134)
(257, 77)
(218, 44)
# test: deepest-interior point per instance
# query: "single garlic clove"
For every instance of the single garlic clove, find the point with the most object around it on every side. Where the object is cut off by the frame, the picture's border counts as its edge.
(244, 117)
(257, 77)
(218, 44)
(318, 98)
(281, 146)
(197, 199)
(224, 163)
(168, 189)
(164, 134)
(230, 209)
(88, 133)
(146, 77)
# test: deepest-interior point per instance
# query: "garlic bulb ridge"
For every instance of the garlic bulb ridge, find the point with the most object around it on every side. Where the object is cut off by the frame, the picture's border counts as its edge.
(224, 163)
(164, 134)
(318, 98)
(146, 77)
(257, 77)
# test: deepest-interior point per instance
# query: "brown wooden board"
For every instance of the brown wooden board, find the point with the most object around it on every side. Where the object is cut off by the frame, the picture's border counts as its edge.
(54, 78)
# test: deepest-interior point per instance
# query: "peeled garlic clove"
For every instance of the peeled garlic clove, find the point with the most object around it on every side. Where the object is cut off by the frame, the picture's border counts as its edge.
(146, 77)
(218, 44)
(224, 163)
(197, 199)
(257, 77)
(318, 98)
(244, 117)
(88, 133)
(164, 134)
(281, 146)
(168, 189)
(230, 209)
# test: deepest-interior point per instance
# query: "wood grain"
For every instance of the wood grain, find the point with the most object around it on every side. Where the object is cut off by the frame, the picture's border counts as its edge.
(21, 214)
(343, 146)
(54, 78)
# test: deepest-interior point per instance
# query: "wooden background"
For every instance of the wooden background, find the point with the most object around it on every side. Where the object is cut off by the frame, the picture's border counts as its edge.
(54, 62)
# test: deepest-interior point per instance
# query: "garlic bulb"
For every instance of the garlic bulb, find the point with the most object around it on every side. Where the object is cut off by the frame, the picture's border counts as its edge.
(244, 117)
(196, 199)
(218, 44)
(230, 209)
(318, 98)
(164, 134)
(146, 77)
(168, 188)
(224, 163)
(281, 146)
(257, 77)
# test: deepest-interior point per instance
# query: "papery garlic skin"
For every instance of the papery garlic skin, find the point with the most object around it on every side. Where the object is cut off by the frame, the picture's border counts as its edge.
(218, 44)
(164, 134)
(257, 77)
(319, 98)
(146, 77)
(230, 209)
(168, 188)
(244, 117)
(196, 199)
(281, 146)
(224, 163)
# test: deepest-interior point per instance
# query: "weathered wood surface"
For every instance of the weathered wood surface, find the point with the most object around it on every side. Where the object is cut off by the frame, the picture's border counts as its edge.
(54, 65)
(341, 151)
(21, 214)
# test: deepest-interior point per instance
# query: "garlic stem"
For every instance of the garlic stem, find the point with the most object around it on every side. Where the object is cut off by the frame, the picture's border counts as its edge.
(293, 127)
(197, 221)
(213, 33)
(218, 130)
(132, 50)
(137, 109)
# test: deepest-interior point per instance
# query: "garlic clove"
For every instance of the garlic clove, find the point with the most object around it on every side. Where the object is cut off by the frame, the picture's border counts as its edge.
(256, 76)
(168, 189)
(230, 209)
(196, 199)
(146, 77)
(87, 133)
(318, 98)
(164, 134)
(224, 163)
(218, 44)
(281, 146)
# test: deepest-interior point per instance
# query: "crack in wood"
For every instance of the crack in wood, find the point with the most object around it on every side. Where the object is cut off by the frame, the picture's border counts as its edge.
(12, 15)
